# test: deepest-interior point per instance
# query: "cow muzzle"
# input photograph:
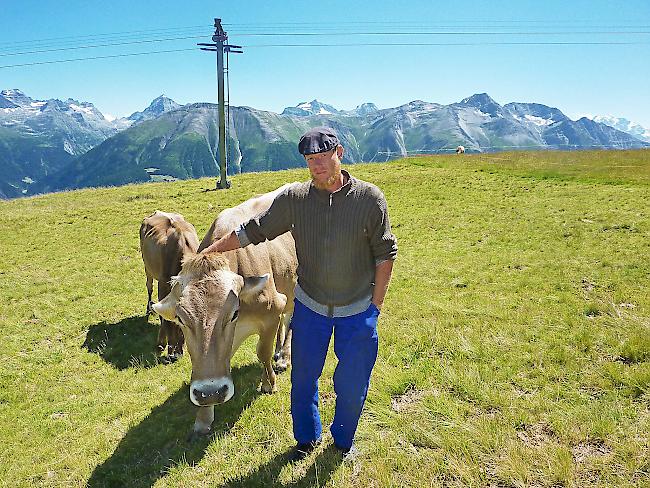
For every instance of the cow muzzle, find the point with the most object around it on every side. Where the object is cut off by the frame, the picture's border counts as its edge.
(204, 393)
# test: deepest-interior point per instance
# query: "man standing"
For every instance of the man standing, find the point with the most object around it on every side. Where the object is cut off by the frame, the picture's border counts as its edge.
(345, 252)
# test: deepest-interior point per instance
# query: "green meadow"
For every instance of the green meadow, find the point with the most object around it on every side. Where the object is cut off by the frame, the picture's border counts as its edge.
(514, 341)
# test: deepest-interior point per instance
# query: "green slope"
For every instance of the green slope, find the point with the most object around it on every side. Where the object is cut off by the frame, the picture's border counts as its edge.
(514, 345)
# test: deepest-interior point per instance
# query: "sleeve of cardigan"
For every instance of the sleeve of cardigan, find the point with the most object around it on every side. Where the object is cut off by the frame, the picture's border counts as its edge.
(270, 224)
(382, 241)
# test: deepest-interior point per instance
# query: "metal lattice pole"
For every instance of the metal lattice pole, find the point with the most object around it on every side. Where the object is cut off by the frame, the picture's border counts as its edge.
(219, 45)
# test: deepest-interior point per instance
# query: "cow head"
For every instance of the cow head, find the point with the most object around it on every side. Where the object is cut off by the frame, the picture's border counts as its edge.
(205, 301)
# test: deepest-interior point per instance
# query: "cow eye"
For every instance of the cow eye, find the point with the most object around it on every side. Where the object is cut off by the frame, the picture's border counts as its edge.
(179, 319)
(234, 316)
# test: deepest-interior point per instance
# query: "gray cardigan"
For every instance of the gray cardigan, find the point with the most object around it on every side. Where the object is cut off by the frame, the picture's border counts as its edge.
(340, 238)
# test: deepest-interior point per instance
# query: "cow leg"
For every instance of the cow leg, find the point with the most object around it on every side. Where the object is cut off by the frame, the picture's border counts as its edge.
(165, 326)
(203, 422)
(282, 356)
(279, 339)
(149, 292)
(161, 342)
(175, 341)
(285, 354)
(265, 355)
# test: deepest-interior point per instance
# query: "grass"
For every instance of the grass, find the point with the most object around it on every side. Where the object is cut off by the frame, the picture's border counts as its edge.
(514, 340)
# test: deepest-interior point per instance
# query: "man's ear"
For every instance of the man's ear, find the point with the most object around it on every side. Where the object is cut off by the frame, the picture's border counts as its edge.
(253, 286)
(339, 151)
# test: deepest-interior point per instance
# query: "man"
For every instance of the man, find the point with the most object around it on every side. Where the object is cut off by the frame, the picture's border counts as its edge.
(345, 252)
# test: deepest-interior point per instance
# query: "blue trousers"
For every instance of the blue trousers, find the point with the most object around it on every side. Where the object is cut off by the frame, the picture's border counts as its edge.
(355, 346)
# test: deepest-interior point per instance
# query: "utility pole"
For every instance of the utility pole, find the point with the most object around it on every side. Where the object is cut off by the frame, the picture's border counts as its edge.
(219, 45)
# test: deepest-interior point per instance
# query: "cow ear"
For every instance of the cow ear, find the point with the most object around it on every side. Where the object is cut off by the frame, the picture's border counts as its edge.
(253, 286)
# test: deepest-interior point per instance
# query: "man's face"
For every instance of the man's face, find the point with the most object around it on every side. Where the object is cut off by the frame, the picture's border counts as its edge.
(325, 167)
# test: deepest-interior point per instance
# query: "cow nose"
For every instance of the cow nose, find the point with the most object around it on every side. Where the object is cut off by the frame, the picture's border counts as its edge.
(210, 396)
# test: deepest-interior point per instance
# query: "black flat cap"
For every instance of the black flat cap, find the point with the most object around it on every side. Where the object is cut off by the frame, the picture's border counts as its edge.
(317, 140)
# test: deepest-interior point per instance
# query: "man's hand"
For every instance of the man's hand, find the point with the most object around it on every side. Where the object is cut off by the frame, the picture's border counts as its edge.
(383, 272)
(226, 243)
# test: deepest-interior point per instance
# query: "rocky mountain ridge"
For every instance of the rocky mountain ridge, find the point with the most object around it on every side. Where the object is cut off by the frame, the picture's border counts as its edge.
(69, 144)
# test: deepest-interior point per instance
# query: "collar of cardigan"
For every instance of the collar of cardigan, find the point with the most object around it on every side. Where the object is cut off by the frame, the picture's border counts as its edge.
(338, 194)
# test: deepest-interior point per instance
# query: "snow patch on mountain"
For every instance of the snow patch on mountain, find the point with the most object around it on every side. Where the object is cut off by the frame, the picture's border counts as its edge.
(79, 108)
(622, 124)
(540, 121)
(305, 109)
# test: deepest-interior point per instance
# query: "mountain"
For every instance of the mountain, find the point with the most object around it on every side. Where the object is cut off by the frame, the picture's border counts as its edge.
(157, 107)
(52, 145)
(364, 109)
(40, 137)
(483, 103)
(183, 143)
(624, 125)
(306, 109)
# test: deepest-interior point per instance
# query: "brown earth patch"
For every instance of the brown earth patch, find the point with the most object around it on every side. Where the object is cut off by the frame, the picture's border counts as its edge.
(536, 435)
(403, 402)
(591, 449)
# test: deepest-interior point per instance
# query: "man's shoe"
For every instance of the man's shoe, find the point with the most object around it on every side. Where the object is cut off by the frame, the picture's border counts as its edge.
(350, 454)
(301, 451)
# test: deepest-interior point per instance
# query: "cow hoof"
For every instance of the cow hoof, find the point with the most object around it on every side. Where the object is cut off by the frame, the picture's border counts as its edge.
(174, 356)
(170, 358)
(280, 367)
(268, 389)
(196, 436)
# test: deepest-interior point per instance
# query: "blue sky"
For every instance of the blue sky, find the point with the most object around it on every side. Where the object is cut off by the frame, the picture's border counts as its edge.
(578, 79)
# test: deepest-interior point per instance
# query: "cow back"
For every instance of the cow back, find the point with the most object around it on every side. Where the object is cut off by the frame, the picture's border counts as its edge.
(164, 239)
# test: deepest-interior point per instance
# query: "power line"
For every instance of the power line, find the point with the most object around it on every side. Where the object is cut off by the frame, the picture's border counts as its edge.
(96, 57)
(461, 33)
(101, 45)
(361, 44)
(415, 44)
(425, 23)
(75, 43)
(438, 33)
(136, 37)
(112, 34)
(285, 25)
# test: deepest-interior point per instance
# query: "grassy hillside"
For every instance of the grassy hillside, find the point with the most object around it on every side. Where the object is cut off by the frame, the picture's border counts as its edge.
(515, 339)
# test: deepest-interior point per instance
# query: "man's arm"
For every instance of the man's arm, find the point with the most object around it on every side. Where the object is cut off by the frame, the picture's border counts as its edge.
(383, 272)
(226, 243)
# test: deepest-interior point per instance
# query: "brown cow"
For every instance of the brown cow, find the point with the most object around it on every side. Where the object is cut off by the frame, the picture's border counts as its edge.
(220, 299)
(165, 238)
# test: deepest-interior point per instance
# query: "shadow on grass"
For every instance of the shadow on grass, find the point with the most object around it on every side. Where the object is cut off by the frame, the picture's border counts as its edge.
(125, 344)
(318, 473)
(150, 449)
